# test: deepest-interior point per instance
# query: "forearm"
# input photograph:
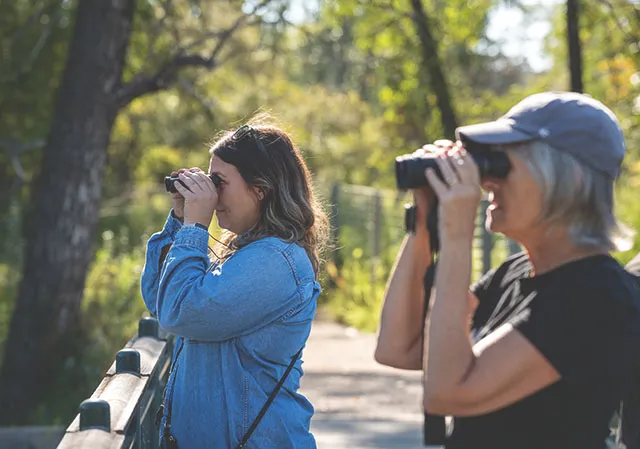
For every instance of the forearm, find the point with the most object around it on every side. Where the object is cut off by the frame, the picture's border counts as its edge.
(157, 248)
(448, 355)
(401, 321)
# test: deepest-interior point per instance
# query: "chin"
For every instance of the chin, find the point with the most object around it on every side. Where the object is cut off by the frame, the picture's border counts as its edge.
(495, 221)
(221, 223)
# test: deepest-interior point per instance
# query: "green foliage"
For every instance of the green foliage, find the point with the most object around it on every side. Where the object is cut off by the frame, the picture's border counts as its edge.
(347, 84)
(110, 312)
(357, 299)
(8, 290)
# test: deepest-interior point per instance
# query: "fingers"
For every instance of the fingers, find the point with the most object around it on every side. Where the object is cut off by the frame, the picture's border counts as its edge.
(192, 181)
(457, 166)
(437, 185)
(432, 148)
(449, 173)
(204, 181)
(182, 190)
(198, 182)
(465, 166)
(182, 170)
(444, 144)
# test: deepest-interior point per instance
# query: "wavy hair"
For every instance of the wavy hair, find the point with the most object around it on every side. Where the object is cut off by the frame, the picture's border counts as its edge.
(289, 208)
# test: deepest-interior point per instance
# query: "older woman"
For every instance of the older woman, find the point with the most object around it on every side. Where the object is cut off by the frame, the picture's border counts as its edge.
(538, 353)
(243, 319)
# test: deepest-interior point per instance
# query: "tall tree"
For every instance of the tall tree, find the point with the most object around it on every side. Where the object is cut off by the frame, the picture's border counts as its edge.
(433, 66)
(66, 196)
(574, 45)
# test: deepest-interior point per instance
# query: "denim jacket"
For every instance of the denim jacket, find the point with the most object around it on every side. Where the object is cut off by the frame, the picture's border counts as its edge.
(239, 324)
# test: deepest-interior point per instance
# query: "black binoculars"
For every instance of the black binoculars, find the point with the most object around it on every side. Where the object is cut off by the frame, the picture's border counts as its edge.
(410, 168)
(170, 187)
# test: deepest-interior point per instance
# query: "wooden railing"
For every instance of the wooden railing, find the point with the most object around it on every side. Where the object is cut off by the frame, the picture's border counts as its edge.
(121, 412)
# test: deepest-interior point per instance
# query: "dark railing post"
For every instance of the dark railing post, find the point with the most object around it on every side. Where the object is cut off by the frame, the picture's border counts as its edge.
(128, 402)
(128, 361)
(148, 327)
(95, 414)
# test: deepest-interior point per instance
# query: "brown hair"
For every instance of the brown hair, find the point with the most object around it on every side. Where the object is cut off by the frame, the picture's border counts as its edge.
(289, 209)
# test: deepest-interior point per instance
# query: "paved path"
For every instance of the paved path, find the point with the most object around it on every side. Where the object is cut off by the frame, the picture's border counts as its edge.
(359, 403)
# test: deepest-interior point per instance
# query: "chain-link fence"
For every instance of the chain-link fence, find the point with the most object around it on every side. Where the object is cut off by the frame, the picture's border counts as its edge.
(369, 223)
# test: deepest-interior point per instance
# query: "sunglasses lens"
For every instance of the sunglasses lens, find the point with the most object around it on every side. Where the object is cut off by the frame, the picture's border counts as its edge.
(246, 130)
(242, 132)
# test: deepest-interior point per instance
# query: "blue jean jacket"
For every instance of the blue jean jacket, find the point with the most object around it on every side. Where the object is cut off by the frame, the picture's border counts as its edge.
(239, 324)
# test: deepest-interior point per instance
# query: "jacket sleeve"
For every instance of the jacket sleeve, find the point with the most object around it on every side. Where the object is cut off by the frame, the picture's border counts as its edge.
(258, 285)
(157, 246)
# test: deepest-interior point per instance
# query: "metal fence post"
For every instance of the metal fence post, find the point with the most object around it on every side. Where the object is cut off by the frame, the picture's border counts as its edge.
(335, 224)
(487, 239)
(376, 243)
(377, 224)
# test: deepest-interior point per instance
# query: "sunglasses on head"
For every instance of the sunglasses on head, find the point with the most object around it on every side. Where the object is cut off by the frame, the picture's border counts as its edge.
(247, 130)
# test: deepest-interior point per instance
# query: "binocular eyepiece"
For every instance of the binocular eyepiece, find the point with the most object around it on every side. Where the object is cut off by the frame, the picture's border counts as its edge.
(170, 187)
(410, 168)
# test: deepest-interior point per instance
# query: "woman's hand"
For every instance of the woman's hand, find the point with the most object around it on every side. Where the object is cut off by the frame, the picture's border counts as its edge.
(177, 200)
(458, 193)
(200, 197)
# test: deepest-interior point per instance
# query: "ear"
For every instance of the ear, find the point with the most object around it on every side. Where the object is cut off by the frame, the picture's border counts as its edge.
(259, 192)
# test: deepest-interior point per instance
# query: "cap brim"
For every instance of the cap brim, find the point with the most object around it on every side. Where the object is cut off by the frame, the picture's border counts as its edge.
(492, 133)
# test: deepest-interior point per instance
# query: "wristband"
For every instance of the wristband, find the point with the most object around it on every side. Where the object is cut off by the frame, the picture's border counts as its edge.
(197, 225)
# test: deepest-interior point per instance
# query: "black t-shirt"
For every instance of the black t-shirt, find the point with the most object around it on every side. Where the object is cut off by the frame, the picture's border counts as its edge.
(630, 423)
(584, 317)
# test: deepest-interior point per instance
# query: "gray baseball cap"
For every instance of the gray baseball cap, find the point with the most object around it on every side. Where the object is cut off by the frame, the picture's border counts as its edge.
(566, 121)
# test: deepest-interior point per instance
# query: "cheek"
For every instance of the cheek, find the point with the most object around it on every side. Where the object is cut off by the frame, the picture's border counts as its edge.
(239, 202)
(525, 204)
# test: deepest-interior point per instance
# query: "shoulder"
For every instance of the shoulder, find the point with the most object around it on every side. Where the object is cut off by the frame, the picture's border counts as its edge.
(290, 255)
(600, 275)
(597, 287)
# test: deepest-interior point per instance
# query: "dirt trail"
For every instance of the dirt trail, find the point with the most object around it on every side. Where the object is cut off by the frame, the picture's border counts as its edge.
(359, 403)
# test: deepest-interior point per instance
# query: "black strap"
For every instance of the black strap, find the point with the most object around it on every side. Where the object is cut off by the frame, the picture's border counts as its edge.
(434, 427)
(256, 421)
(167, 427)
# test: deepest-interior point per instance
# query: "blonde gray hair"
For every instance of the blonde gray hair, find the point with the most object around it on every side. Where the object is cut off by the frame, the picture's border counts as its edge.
(576, 195)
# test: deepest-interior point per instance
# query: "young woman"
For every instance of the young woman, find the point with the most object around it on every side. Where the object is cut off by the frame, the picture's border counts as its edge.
(540, 352)
(243, 319)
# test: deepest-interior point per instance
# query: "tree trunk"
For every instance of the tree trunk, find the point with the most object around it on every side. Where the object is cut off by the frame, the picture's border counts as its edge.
(431, 63)
(575, 47)
(434, 428)
(65, 201)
